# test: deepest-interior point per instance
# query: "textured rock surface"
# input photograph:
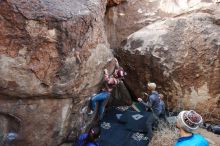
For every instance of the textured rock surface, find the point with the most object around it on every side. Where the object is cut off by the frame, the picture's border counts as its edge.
(40, 122)
(114, 2)
(38, 44)
(182, 55)
(50, 50)
(132, 15)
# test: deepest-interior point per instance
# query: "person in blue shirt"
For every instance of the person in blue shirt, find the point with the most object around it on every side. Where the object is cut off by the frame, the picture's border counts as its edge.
(153, 105)
(187, 121)
(89, 139)
(153, 101)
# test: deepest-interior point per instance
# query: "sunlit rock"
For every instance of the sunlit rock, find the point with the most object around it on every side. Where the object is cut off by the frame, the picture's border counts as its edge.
(132, 15)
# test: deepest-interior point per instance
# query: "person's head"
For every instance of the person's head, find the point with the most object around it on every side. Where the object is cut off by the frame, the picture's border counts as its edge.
(151, 86)
(188, 121)
(93, 134)
(161, 96)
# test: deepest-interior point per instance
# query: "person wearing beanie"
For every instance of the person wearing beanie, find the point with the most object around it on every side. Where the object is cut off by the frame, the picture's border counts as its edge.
(153, 101)
(187, 122)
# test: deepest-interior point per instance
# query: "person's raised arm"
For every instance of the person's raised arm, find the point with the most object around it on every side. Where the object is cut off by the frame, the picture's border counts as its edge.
(106, 75)
(116, 63)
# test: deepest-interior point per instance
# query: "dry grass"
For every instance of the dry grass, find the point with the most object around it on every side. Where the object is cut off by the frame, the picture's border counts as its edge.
(166, 135)
(213, 139)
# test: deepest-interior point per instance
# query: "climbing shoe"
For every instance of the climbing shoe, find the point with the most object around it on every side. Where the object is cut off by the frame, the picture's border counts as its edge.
(91, 112)
(84, 109)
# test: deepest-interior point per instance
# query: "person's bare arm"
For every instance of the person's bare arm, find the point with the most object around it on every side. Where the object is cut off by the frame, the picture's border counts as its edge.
(147, 104)
(116, 63)
(106, 75)
(78, 58)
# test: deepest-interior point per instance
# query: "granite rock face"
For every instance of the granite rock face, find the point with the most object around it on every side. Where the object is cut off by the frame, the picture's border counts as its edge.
(37, 122)
(112, 3)
(40, 42)
(182, 55)
(52, 55)
(132, 15)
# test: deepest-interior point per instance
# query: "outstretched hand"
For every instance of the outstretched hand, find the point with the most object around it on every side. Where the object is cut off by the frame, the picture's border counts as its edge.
(140, 99)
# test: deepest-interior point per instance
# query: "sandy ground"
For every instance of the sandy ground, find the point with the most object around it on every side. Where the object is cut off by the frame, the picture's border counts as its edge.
(170, 137)
(214, 139)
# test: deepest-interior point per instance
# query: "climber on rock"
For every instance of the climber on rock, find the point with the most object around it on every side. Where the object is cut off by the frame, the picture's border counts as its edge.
(110, 81)
(119, 73)
(153, 101)
(119, 95)
(101, 97)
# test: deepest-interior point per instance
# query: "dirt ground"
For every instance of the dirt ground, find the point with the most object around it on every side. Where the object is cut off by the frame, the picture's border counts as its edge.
(168, 137)
(214, 139)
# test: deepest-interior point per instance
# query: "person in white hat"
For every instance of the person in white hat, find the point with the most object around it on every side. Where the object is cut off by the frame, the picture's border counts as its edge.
(187, 122)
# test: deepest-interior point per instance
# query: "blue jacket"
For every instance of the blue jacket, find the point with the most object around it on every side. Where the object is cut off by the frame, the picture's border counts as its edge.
(193, 140)
(79, 142)
(155, 102)
(162, 107)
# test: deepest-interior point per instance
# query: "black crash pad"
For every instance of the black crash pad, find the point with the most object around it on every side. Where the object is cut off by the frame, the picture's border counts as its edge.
(115, 132)
(137, 121)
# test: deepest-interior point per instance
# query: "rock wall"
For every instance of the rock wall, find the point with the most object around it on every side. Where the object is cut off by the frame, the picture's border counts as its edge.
(52, 55)
(112, 3)
(132, 15)
(39, 122)
(182, 56)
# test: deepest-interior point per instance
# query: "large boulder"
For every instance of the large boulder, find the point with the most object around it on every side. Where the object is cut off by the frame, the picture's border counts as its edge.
(132, 15)
(52, 55)
(112, 3)
(37, 122)
(182, 55)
